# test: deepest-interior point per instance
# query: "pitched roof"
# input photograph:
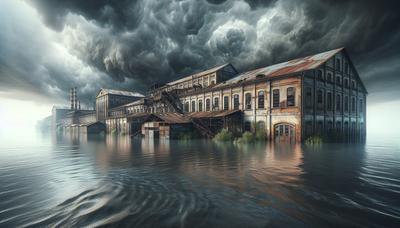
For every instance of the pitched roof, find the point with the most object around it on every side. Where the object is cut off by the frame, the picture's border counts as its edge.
(213, 114)
(120, 92)
(209, 71)
(285, 68)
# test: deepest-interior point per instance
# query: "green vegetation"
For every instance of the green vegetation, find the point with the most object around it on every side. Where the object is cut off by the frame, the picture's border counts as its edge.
(247, 137)
(261, 135)
(314, 140)
(113, 131)
(224, 135)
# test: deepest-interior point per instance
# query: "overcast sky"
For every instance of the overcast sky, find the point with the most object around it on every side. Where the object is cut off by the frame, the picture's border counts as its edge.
(48, 46)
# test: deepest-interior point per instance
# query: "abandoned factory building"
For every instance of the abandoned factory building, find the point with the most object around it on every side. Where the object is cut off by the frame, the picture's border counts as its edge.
(319, 95)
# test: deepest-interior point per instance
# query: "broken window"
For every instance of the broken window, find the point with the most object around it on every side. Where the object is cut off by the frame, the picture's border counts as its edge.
(290, 96)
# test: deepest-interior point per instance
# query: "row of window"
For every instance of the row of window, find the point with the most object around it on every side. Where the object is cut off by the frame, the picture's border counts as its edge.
(329, 78)
(329, 101)
(290, 101)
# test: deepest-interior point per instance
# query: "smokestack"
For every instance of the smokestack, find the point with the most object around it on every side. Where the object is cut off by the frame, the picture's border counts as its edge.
(79, 105)
(71, 98)
(75, 100)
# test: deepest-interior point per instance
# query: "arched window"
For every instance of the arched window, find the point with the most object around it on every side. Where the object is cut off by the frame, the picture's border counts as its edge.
(338, 103)
(200, 109)
(208, 105)
(353, 104)
(290, 96)
(319, 75)
(186, 107)
(320, 99)
(338, 66)
(329, 101)
(346, 103)
(248, 100)
(275, 98)
(226, 103)
(260, 126)
(330, 77)
(236, 101)
(193, 106)
(261, 97)
(216, 104)
(338, 80)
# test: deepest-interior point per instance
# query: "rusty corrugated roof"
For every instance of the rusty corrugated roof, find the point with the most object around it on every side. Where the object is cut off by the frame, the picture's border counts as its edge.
(289, 67)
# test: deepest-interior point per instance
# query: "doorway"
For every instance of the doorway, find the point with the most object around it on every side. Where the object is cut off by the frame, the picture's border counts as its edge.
(285, 133)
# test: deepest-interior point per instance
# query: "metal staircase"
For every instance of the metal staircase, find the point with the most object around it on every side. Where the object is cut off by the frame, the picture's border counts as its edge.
(172, 100)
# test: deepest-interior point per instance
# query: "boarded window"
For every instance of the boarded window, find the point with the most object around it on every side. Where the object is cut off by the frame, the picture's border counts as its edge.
(248, 100)
(226, 103)
(261, 97)
(290, 97)
(236, 101)
(275, 98)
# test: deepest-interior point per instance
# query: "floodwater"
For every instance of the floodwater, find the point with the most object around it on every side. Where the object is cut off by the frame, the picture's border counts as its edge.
(70, 180)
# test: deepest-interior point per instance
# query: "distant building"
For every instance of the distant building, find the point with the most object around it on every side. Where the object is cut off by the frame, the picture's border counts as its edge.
(107, 99)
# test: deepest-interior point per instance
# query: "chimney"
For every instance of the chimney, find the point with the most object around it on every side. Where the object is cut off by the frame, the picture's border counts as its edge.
(71, 98)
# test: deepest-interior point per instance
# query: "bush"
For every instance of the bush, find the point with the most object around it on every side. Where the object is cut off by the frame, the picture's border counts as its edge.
(261, 135)
(113, 131)
(247, 137)
(224, 135)
(314, 140)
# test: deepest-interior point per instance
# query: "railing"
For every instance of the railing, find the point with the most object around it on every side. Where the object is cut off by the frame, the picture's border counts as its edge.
(203, 128)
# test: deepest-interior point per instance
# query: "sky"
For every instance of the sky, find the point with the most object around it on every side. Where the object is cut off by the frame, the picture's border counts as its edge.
(47, 46)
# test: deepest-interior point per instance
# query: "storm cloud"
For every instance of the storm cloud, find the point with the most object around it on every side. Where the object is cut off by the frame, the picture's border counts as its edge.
(132, 44)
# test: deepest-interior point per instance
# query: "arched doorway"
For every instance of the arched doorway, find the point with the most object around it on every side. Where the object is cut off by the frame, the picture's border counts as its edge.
(285, 132)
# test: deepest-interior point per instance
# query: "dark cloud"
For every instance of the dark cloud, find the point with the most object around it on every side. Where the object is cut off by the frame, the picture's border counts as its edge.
(132, 44)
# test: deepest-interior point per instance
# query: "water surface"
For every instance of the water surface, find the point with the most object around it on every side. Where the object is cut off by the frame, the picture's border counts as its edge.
(70, 180)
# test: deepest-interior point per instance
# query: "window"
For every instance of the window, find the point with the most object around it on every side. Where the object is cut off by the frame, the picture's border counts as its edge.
(236, 101)
(261, 98)
(193, 106)
(338, 103)
(319, 127)
(200, 109)
(361, 106)
(319, 75)
(346, 103)
(290, 96)
(226, 103)
(319, 97)
(247, 126)
(338, 80)
(346, 68)
(353, 104)
(338, 66)
(353, 84)
(329, 101)
(330, 77)
(346, 83)
(248, 100)
(309, 98)
(338, 127)
(216, 103)
(186, 107)
(260, 126)
(275, 98)
(208, 105)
